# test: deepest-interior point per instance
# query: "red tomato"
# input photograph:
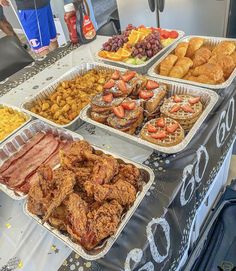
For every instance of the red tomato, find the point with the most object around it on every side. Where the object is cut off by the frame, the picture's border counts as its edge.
(119, 111)
(151, 128)
(109, 84)
(151, 85)
(159, 135)
(144, 94)
(108, 98)
(128, 105)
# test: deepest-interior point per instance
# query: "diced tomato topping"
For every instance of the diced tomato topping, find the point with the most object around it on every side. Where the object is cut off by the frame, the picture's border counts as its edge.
(119, 111)
(144, 94)
(108, 98)
(109, 84)
(172, 128)
(160, 122)
(175, 108)
(173, 34)
(122, 86)
(177, 99)
(128, 105)
(159, 135)
(194, 100)
(151, 85)
(187, 108)
(151, 128)
(128, 76)
(115, 75)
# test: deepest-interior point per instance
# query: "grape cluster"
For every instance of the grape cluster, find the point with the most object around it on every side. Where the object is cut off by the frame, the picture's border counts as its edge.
(148, 47)
(128, 30)
(114, 43)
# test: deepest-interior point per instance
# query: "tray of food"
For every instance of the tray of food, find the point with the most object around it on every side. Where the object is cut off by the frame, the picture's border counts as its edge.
(60, 103)
(162, 115)
(197, 60)
(137, 48)
(34, 145)
(11, 120)
(89, 198)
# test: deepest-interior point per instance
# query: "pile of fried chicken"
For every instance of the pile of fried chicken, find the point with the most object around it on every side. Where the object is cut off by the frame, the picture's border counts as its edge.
(87, 195)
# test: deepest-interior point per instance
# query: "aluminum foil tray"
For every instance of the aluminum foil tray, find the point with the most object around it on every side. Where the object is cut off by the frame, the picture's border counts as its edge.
(143, 68)
(22, 125)
(99, 252)
(209, 99)
(19, 139)
(210, 41)
(45, 92)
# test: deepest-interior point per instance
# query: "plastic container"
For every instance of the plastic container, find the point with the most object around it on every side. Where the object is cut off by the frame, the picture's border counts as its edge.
(85, 28)
(70, 19)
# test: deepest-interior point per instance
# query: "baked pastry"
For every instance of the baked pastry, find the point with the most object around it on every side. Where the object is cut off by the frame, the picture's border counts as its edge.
(181, 68)
(226, 62)
(233, 55)
(181, 49)
(101, 106)
(194, 45)
(126, 117)
(163, 131)
(167, 64)
(224, 48)
(201, 56)
(204, 79)
(212, 71)
(185, 109)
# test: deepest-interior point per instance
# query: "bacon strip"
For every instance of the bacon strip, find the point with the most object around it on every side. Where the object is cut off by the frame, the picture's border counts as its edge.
(27, 147)
(16, 174)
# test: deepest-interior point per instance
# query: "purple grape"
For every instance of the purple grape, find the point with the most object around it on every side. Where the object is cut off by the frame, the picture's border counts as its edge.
(149, 53)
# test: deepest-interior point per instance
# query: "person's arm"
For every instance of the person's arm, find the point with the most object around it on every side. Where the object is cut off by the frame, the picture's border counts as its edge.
(4, 3)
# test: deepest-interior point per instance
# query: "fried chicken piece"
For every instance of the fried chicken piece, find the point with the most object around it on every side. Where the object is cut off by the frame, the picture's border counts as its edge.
(74, 155)
(129, 173)
(104, 168)
(40, 195)
(103, 222)
(58, 219)
(89, 228)
(122, 191)
(64, 183)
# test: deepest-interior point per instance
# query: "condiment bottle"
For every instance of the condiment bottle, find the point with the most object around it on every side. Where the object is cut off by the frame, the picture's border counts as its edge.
(85, 27)
(70, 19)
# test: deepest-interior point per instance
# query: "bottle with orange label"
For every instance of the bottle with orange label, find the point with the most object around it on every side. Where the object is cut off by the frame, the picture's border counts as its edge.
(85, 28)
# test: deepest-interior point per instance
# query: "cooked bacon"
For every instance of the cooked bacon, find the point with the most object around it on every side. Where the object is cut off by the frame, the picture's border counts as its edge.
(16, 174)
(27, 147)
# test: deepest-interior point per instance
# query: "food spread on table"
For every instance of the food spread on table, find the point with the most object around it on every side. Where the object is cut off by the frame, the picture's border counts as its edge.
(130, 100)
(136, 45)
(86, 197)
(10, 120)
(19, 171)
(64, 104)
(200, 61)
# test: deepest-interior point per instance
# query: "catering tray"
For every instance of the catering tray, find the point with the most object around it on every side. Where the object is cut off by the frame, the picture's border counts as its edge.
(22, 125)
(208, 97)
(210, 41)
(103, 249)
(72, 73)
(19, 139)
(143, 68)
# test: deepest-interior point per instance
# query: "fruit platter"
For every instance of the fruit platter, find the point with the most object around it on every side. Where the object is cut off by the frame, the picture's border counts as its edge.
(137, 46)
